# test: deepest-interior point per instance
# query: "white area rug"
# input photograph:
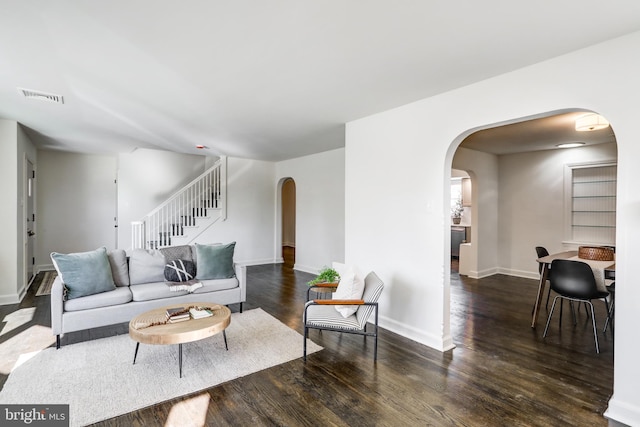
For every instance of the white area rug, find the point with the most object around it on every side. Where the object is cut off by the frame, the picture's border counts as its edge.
(99, 381)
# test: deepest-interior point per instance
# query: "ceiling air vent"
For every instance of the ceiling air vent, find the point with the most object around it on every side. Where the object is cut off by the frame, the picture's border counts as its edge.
(43, 96)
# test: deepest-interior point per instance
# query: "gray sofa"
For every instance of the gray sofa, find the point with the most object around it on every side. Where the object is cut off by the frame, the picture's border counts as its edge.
(139, 285)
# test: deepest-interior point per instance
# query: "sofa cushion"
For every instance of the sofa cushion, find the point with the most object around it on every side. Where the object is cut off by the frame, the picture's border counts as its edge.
(172, 253)
(146, 266)
(215, 261)
(84, 273)
(120, 295)
(151, 291)
(217, 285)
(119, 267)
(179, 271)
(195, 252)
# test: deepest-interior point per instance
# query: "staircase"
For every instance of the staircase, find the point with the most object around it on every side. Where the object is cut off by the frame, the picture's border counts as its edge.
(186, 214)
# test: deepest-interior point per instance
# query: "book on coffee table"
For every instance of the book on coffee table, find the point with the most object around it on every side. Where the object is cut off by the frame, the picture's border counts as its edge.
(200, 313)
(177, 314)
(179, 319)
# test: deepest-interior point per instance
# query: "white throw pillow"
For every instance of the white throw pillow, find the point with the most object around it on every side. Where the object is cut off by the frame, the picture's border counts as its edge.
(351, 286)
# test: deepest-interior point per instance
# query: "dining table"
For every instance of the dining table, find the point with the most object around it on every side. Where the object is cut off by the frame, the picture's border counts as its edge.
(603, 271)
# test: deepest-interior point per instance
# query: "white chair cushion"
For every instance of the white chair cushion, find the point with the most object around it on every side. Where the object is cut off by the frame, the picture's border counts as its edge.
(351, 286)
(326, 316)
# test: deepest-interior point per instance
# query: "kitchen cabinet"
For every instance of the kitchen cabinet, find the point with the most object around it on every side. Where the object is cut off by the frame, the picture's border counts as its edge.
(466, 192)
(458, 236)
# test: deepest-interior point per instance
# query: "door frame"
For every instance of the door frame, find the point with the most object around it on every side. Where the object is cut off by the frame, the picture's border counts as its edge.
(26, 239)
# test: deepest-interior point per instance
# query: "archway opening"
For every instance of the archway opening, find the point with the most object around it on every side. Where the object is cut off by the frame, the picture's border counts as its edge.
(288, 209)
(523, 197)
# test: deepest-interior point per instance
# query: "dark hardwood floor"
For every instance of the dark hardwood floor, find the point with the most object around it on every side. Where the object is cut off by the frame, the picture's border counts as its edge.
(501, 373)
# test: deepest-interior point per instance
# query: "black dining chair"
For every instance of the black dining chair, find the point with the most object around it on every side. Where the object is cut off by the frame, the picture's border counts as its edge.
(612, 291)
(543, 252)
(574, 281)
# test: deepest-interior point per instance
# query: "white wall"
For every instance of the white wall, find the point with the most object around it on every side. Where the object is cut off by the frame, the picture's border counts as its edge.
(147, 178)
(531, 208)
(483, 170)
(15, 147)
(9, 211)
(76, 203)
(320, 207)
(77, 200)
(250, 212)
(415, 145)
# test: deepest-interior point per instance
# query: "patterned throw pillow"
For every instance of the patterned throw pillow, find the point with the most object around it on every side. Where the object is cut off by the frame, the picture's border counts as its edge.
(179, 270)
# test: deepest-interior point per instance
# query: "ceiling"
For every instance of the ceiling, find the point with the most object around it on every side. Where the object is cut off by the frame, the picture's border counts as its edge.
(268, 80)
(538, 134)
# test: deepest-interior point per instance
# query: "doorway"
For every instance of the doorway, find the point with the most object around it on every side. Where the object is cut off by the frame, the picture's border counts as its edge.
(520, 201)
(461, 216)
(30, 223)
(289, 222)
(519, 190)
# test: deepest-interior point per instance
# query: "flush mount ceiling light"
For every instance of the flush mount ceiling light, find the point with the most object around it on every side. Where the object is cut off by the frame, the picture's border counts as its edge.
(570, 145)
(590, 122)
(42, 96)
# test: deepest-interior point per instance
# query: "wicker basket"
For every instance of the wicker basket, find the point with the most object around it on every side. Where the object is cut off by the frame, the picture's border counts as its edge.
(595, 253)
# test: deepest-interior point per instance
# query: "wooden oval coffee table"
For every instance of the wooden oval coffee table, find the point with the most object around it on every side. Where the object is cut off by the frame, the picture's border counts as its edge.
(181, 332)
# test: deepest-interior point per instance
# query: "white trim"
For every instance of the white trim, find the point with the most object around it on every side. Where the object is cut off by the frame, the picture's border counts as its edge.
(623, 412)
(439, 343)
(306, 269)
(10, 299)
(46, 267)
(520, 273)
(257, 262)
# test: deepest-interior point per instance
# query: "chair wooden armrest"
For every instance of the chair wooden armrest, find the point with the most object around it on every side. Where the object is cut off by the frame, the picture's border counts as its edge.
(338, 302)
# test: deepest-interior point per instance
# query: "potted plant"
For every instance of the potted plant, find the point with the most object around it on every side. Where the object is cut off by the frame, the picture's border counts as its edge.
(326, 275)
(456, 211)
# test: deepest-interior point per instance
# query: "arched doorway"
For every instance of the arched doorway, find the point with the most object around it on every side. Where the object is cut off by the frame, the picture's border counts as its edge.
(517, 171)
(288, 209)
(521, 201)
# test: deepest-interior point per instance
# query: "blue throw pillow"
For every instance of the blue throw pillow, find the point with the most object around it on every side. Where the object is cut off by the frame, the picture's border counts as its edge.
(84, 273)
(215, 261)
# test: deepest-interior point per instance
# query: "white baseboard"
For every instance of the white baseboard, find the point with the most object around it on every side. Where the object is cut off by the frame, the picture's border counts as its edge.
(44, 267)
(623, 412)
(474, 274)
(306, 268)
(439, 343)
(9, 299)
(258, 261)
(519, 273)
